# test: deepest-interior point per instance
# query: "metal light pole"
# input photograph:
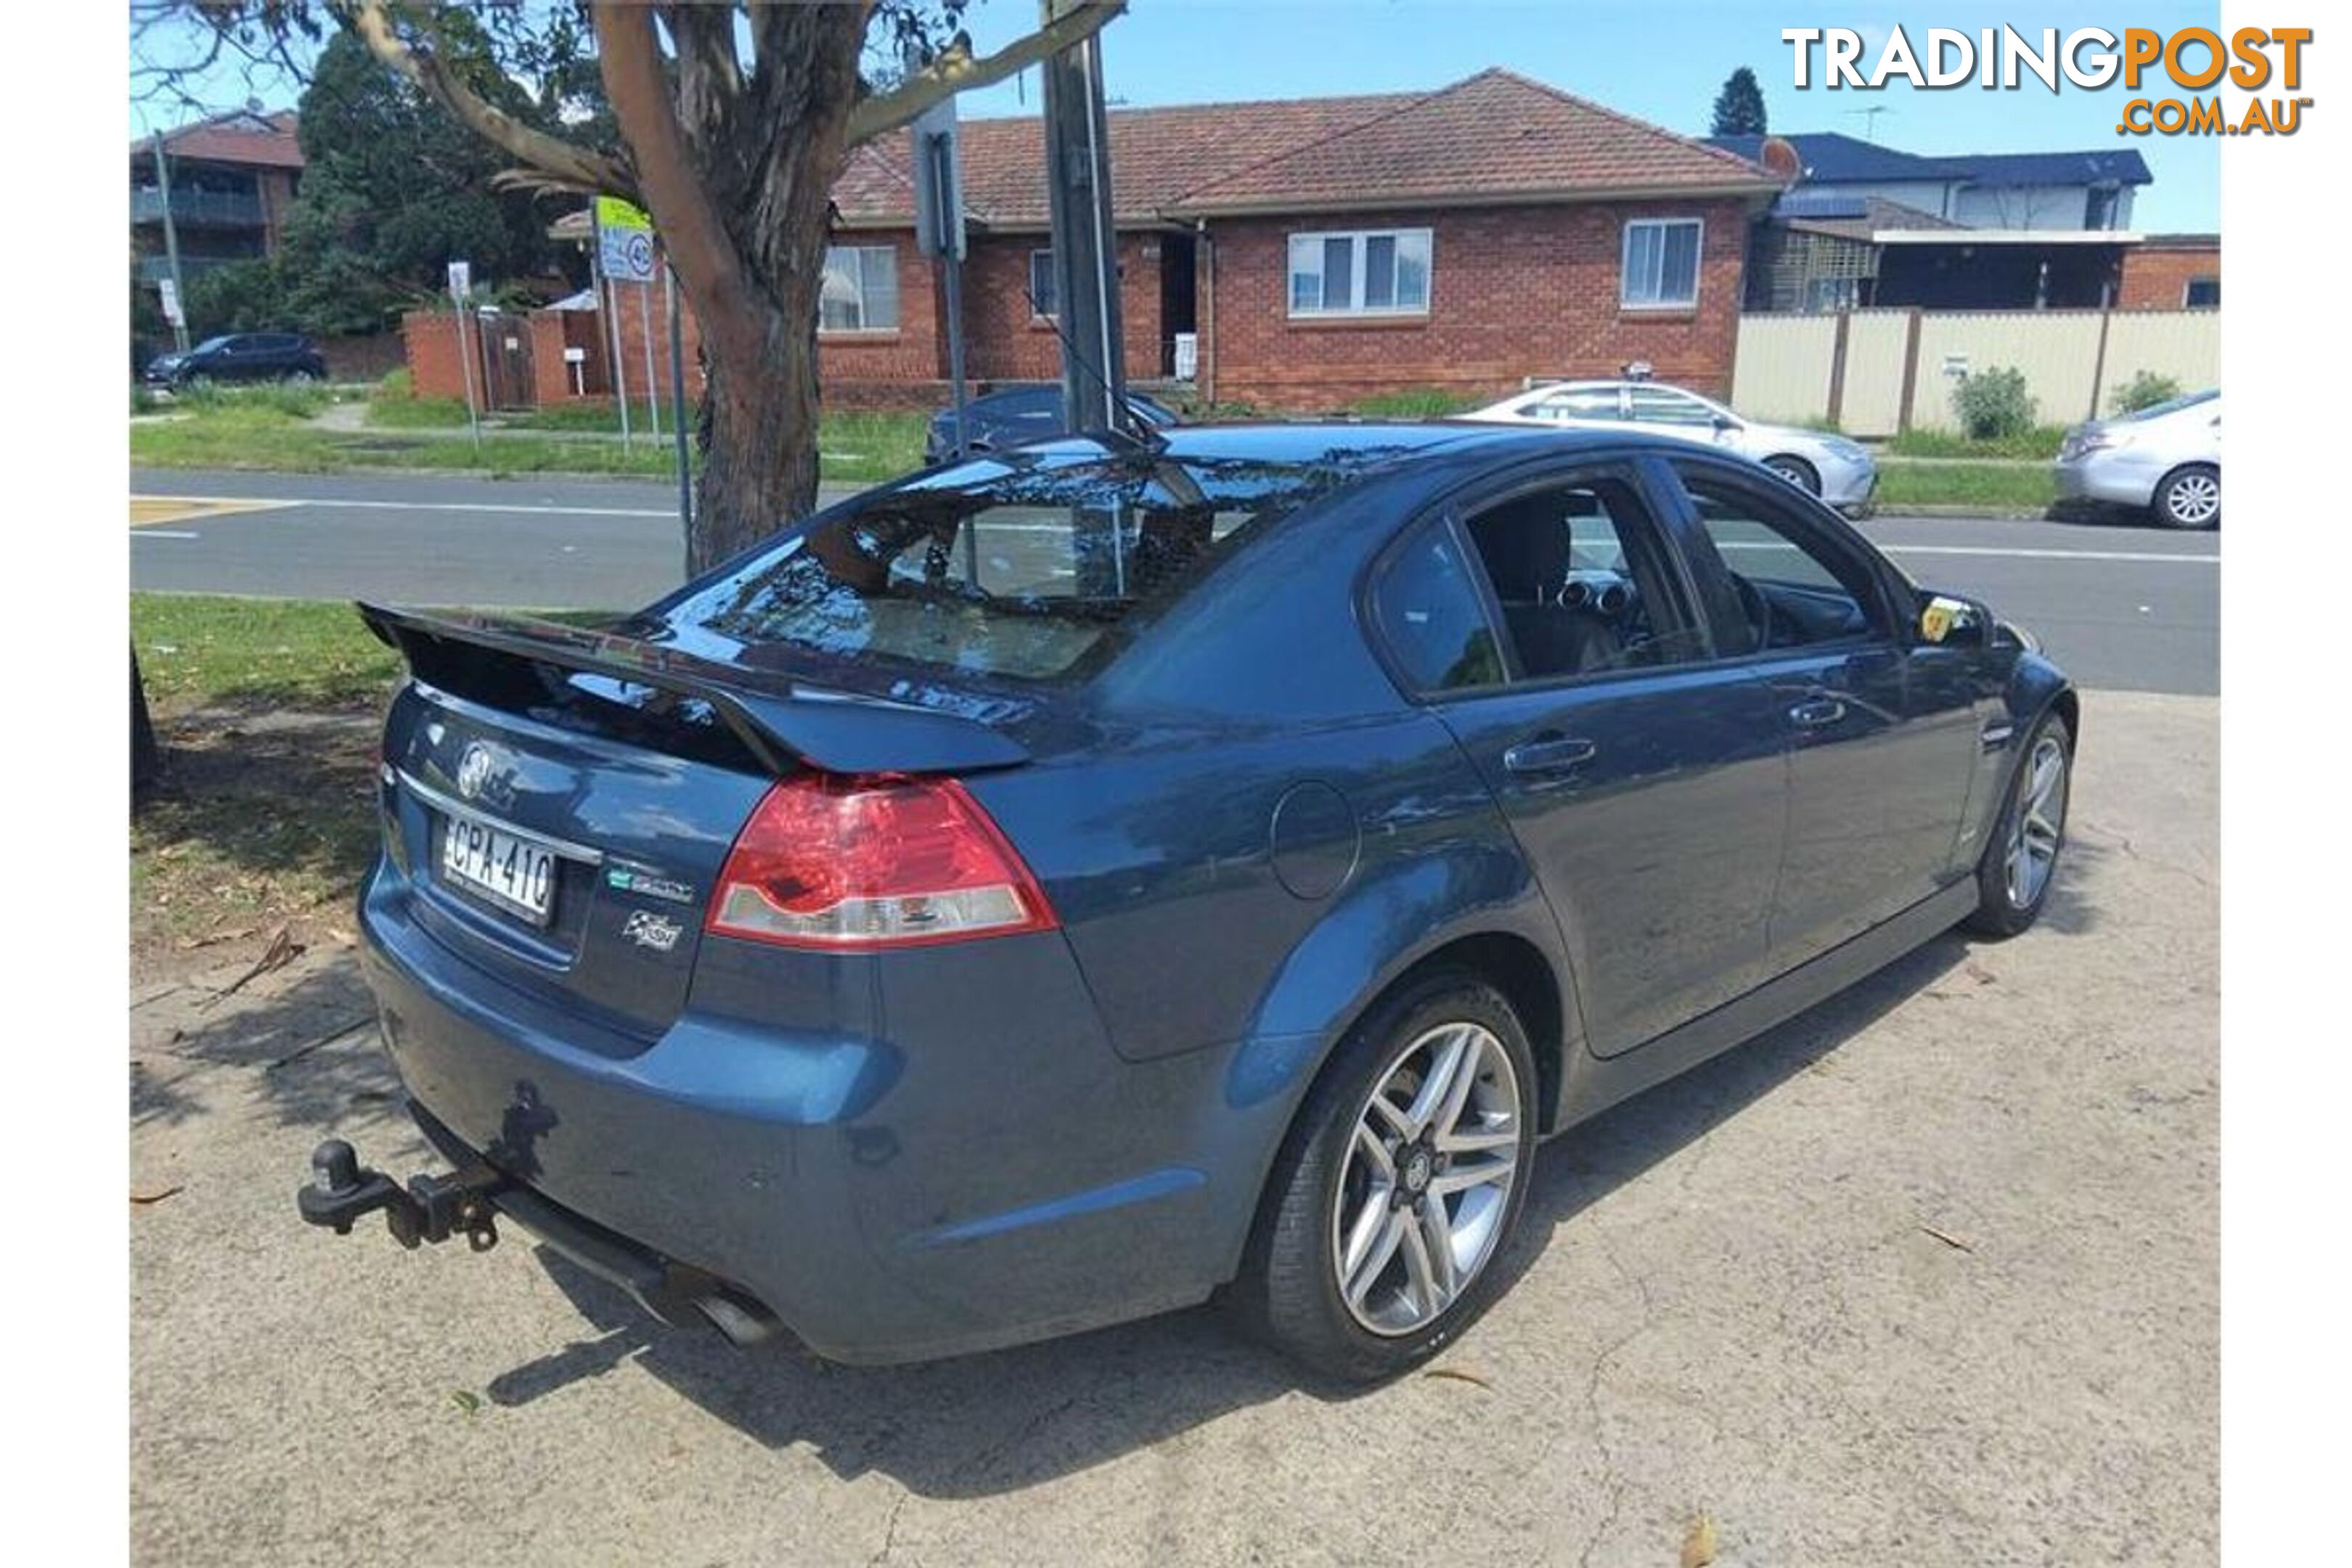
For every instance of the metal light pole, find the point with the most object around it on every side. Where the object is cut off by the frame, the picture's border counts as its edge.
(1085, 245)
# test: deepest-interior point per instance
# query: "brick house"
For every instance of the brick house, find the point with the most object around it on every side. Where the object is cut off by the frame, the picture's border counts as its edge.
(233, 178)
(1318, 251)
(2172, 272)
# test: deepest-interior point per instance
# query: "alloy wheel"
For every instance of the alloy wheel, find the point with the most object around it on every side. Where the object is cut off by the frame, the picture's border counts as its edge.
(2194, 500)
(2041, 822)
(1427, 1182)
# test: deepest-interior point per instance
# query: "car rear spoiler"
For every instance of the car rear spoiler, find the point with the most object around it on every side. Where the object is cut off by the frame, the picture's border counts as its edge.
(783, 723)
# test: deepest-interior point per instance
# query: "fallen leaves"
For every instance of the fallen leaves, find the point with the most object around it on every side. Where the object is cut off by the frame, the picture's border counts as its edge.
(1698, 1542)
(282, 951)
(1459, 1375)
(1954, 1242)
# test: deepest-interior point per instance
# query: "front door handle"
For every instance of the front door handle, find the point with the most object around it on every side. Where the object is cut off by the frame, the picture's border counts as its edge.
(1547, 754)
(1817, 712)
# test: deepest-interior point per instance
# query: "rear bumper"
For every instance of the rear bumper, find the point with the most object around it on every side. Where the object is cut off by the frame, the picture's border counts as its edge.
(982, 1172)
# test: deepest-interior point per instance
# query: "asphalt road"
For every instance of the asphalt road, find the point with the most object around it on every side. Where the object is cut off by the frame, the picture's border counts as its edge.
(2122, 607)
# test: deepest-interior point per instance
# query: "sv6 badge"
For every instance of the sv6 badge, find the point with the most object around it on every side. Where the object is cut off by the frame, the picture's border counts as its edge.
(647, 929)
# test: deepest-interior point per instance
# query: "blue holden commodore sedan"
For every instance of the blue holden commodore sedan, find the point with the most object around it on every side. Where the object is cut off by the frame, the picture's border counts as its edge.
(1114, 873)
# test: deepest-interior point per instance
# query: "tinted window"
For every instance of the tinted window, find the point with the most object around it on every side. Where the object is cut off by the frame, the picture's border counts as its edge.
(1426, 605)
(1795, 587)
(1018, 566)
(1581, 576)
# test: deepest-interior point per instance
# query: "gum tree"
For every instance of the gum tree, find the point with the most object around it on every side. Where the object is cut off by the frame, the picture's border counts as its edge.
(730, 124)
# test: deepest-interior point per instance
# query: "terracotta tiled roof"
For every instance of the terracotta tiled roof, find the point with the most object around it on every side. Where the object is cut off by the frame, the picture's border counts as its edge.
(239, 138)
(1493, 136)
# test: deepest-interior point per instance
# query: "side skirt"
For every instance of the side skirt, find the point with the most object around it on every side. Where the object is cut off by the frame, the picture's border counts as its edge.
(1604, 1083)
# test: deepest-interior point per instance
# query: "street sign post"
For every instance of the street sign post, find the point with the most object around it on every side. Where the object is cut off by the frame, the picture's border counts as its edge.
(624, 253)
(461, 284)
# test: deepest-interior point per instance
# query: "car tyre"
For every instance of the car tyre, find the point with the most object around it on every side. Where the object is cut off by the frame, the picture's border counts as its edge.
(2020, 863)
(1420, 1277)
(2189, 497)
(1797, 471)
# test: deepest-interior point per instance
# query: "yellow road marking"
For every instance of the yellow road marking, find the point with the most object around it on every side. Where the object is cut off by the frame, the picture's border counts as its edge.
(148, 512)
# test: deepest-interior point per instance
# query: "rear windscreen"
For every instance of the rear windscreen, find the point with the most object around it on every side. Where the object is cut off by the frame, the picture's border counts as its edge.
(1016, 567)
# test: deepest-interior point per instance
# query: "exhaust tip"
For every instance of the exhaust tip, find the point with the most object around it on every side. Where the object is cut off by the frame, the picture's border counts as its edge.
(743, 1320)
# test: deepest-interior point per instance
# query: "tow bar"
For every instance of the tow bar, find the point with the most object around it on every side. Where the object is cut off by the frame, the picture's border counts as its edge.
(430, 1208)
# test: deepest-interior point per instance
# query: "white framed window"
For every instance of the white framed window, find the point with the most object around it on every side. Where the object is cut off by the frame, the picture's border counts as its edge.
(1042, 302)
(860, 293)
(1360, 272)
(1660, 263)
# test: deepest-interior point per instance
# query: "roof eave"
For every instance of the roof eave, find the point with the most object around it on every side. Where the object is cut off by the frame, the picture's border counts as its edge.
(1758, 191)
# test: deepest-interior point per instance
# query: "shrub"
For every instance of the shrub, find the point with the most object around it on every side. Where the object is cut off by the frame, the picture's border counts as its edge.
(2143, 390)
(275, 397)
(1993, 404)
(395, 384)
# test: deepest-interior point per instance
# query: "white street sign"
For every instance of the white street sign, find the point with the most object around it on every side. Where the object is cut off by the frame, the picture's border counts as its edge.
(461, 279)
(170, 292)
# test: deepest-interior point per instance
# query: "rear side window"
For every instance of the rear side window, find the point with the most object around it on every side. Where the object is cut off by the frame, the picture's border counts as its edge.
(1022, 565)
(1428, 612)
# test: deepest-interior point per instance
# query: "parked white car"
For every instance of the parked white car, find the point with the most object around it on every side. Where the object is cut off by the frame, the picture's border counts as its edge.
(2165, 457)
(1840, 471)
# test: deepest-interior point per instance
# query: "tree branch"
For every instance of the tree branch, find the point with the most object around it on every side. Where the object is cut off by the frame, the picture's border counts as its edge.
(672, 183)
(566, 166)
(956, 70)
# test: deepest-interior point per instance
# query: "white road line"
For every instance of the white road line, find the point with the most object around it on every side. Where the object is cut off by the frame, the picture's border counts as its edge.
(163, 533)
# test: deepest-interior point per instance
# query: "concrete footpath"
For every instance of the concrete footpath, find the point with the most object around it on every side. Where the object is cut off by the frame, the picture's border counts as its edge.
(1927, 1276)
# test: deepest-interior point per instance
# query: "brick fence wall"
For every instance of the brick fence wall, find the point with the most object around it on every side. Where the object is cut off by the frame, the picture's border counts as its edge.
(1514, 292)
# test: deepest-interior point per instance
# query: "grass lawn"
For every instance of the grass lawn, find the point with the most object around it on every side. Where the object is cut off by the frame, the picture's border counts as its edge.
(268, 711)
(240, 430)
(2003, 484)
(2038, 444)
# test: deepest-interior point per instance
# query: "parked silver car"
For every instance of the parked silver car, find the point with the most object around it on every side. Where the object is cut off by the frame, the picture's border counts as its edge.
(2165, 457)
(1838, 470)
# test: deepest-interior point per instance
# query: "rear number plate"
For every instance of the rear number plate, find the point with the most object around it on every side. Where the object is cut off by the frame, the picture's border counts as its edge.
(511, 872)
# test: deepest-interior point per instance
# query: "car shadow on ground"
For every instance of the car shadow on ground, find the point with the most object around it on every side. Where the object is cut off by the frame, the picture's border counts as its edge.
(990, 1423)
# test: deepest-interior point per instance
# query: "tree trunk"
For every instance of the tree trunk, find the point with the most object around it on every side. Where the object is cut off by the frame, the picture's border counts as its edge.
(146, 757)
(759, 429)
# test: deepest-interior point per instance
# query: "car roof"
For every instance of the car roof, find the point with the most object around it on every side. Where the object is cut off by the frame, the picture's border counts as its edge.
(1309, 440)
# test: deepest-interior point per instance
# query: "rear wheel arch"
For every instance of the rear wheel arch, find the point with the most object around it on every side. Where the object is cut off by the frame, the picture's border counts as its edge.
(1513, 965)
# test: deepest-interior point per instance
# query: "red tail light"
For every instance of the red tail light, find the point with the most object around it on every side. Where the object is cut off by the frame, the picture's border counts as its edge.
(859, 863)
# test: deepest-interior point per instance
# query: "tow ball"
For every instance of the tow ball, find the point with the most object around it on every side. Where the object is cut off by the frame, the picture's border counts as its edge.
(430, 1208)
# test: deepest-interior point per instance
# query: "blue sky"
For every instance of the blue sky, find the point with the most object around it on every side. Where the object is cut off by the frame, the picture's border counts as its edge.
(1662, 61)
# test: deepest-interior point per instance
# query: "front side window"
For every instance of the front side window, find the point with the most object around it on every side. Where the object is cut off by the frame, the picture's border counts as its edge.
(1365, 273)
(1042, 302)
(1661, 264)
(860, 290)
(1665, 406)
(1577, 403)
(1790, 586)
(1580, 573)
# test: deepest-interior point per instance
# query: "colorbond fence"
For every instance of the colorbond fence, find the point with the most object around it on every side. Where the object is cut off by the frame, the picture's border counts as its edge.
(1874, 372)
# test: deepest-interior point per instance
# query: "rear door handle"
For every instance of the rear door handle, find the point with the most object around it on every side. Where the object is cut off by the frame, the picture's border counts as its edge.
(1817, 712)
(1547, 754)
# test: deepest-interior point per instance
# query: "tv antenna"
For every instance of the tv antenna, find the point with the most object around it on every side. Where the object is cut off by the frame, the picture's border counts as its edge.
(1870, 120)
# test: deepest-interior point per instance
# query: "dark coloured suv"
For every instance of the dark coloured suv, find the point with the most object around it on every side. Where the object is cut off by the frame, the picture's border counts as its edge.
(240, 356)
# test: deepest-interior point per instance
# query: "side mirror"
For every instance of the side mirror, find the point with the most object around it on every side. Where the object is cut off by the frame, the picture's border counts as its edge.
(1950, 622)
